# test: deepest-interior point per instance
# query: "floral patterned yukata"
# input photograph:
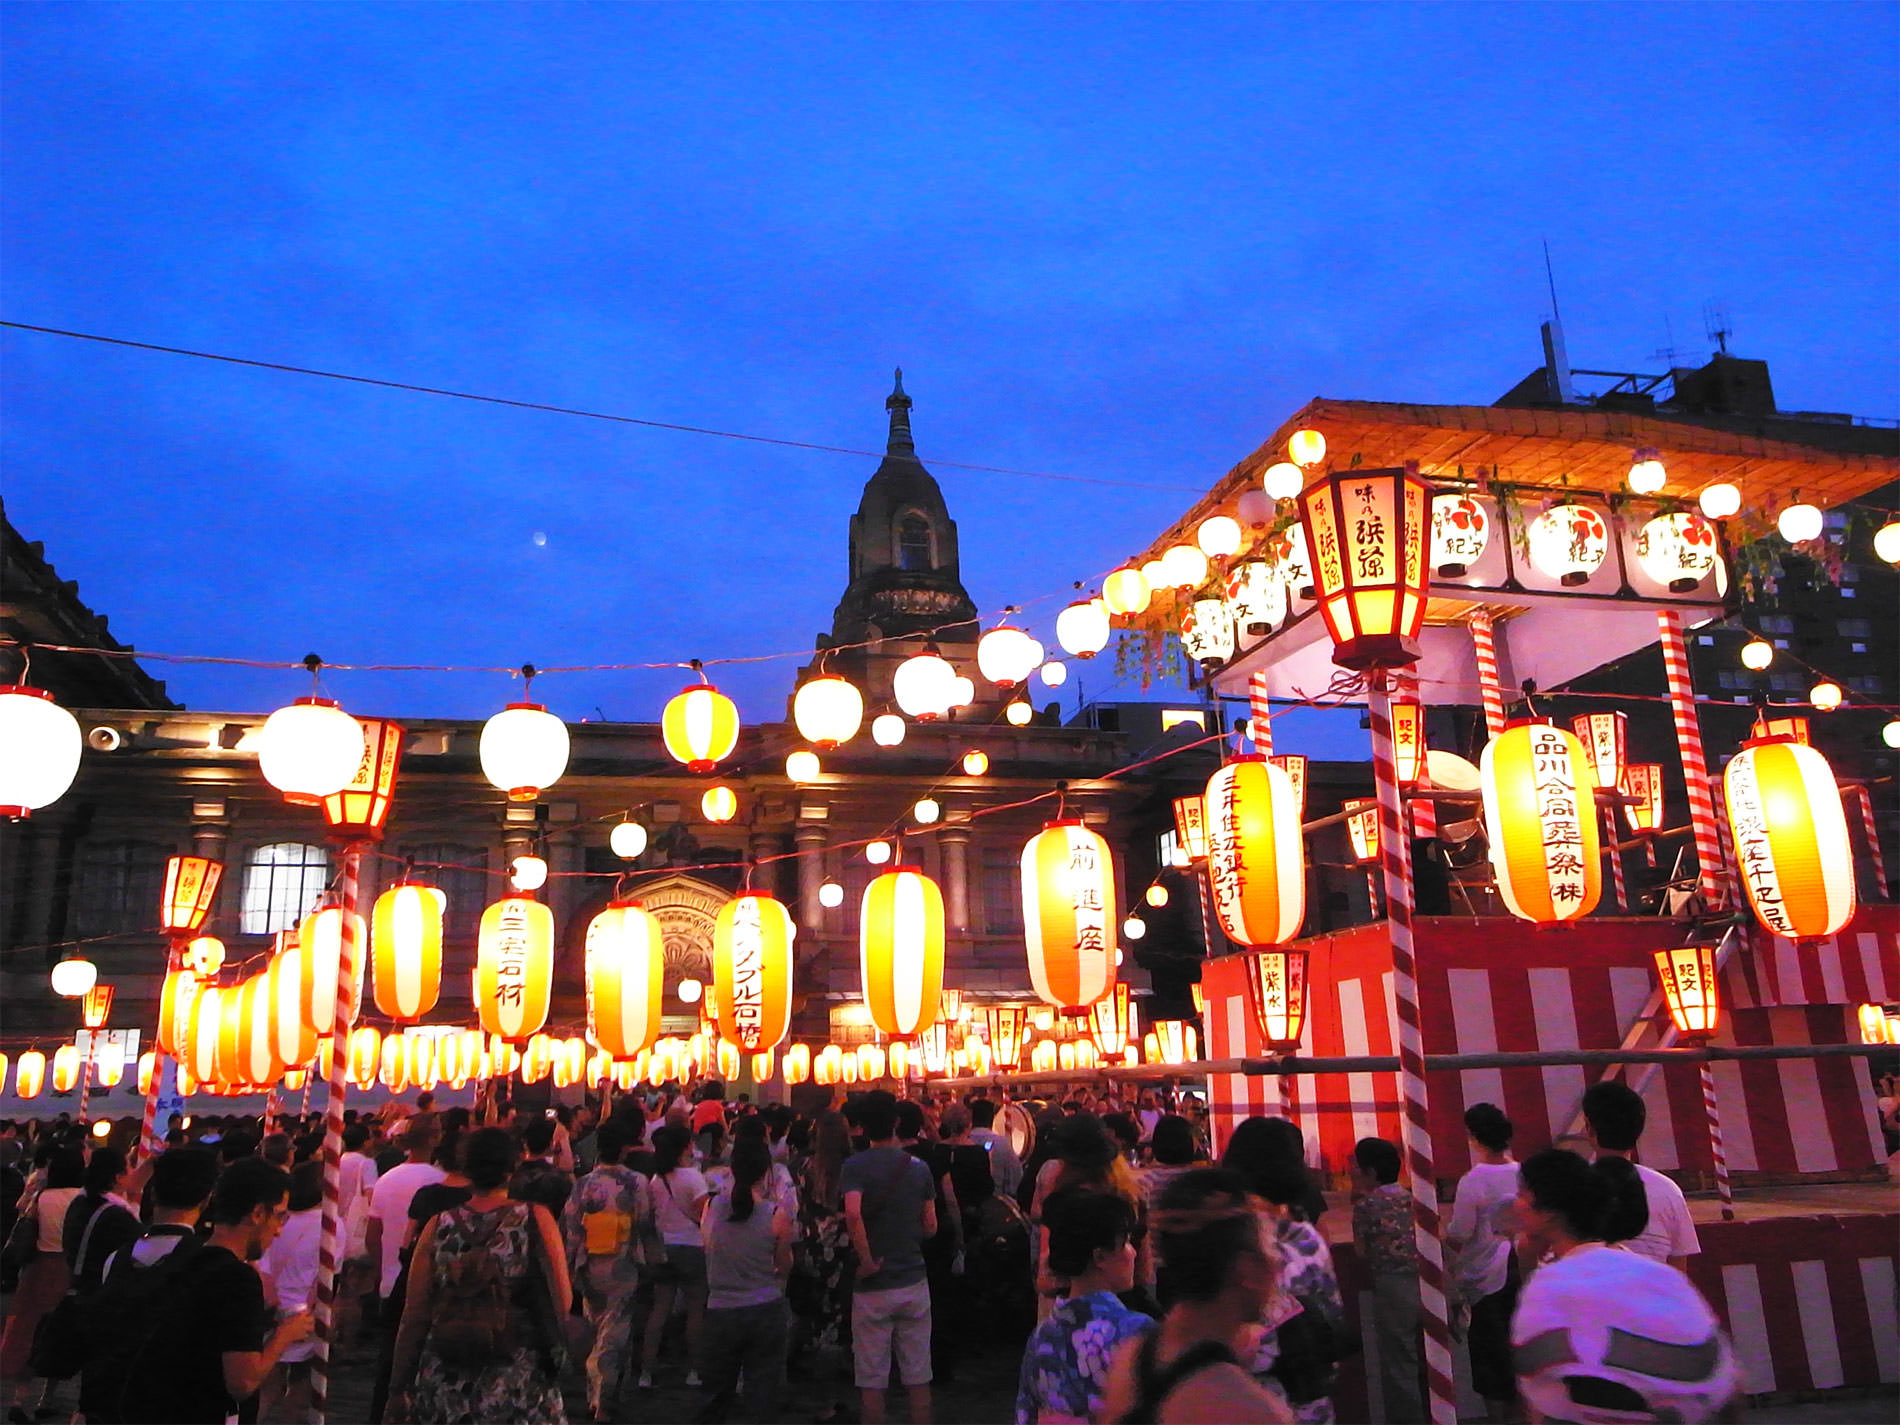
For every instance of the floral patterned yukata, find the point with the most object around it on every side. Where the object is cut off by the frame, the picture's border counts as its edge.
(1065, 1367)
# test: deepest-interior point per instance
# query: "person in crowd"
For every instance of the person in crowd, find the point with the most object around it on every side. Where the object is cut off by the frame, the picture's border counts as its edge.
(1082, 1154)
(1383, 1233)
(1218, 1262)
(1615, 1115)
(944, 1263)
(707, 1119)
(581, 1145)
(1126, 1134)
(430, 1200)
(890, 1208)
(1603, 1335)
(99, 1221)
(389, 1202)
(43, 1281)
(275, 1149)
(1482, 1269)
(748, 1240)
(602, 1225)
(820, 1291)
(540, 1178)
(356, 1175)
(779, 1184)
(1148, 1113)
(971, 1179)
(1006, 1168)
(289, 1269)
(678, 1192)
(1065, 1368)
(1296, 1352)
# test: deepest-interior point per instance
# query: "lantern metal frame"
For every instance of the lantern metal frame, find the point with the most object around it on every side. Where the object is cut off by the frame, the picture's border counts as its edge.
(1692, 989)
(1368, 535)
(1008, 1026)
(191, 888)
(95, 1006)
(1277, 996)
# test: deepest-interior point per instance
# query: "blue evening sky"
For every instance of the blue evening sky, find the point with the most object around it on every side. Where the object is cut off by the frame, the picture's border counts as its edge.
(1114, 241)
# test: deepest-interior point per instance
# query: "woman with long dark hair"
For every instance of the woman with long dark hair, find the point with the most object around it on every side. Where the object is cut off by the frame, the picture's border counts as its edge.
(678, 1192)
(748, 1242)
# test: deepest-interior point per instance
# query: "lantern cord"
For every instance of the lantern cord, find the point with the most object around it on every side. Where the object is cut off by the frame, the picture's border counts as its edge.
(574, 411)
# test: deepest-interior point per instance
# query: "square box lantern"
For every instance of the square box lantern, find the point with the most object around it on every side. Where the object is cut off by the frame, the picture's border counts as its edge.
(362, 806)
(1368, 532)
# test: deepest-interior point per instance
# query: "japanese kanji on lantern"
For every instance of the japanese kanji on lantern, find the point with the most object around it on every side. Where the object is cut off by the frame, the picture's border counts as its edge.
(406, 950)
(1605, 737)
(1007, 1025)
(1190, 828)
(175, 999)
(626, 964)
(1069, 915)
(362, 806)
(1276, 997)
(1408, 741)
(752, 971)
(1256, 863)
(1366, 533)
(514, 967)
(1691, 989)
(191, 885)
(1791, 843)
(1540, 817)
(900, 951)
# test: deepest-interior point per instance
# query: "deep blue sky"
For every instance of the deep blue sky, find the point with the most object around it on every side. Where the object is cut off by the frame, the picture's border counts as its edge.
(1120, 241)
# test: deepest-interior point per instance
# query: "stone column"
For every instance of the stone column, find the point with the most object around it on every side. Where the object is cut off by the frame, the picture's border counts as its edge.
(765, 872)
(953, 844)
(810, 843)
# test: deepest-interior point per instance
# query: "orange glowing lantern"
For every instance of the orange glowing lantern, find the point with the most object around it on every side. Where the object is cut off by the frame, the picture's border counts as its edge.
(761, 1066)
(752, 971)
(293, 1041)
(1276, 995)
(514, 967)
(626, 961)
(797, 1067)
(900, 951)
(1109, 1020)
(1644, 782)
(201, 1040)
(1368, 532)
(1362, 829)
(95, 1006)
(1007, 1030)
(828, 1067)
(700, 727)
(1791, 842)
(1069, 914)
(174, 1010)
(366, 1046)
(1605, 739)
(148, 1067)
(1540, 817)
(191, 885)
(256, 1060)
(1256, 863)
(1691, 988)
(1791, 726)
(65, 1068)
(393, 1072)
(357, 812)
(321, 936)
(1408, 741)
(1190, 828)
(29, 1075)
(203, 956)
(406, 941)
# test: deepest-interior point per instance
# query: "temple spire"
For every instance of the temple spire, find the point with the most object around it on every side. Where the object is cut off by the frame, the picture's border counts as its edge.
(898, 404)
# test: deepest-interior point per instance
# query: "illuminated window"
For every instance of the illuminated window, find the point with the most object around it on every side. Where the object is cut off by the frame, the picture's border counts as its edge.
(116, 887)
(281, 883)
(1172, 718)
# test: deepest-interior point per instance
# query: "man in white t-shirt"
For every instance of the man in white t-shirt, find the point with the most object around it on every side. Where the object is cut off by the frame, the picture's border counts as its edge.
(1615, 1114)
(1478, 1237)
(389, 1200)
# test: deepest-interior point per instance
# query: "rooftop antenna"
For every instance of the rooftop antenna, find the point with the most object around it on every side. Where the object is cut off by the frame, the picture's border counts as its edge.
(1556, 359)
(1670, 353)
(1716, 323)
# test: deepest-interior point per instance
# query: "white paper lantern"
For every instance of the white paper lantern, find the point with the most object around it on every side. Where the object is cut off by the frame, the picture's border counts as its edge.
(802, 766)
(1720, 500)
(1283, 481)
(628, 840)
(1461, 529)
(523, 750)
(309, 749)
(887, 730)
(1082, 628)
(1569, 542)
(1207, 632)
(1054, 674)
(1677, 550)
(924, 685)
(1006, 655)
(1184, 566)
(1256, 599)
(42, 743)
(1218, 536)
(1799, 523)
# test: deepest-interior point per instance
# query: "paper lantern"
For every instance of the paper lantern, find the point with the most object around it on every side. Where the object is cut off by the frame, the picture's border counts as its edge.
(1156, 895)
(43, 743)
(528, 873)
(1283, 480)
(848, 1069)
(1799, 523)
(523, 750)
(828, 1067)
(690, 990)
(1826, 696)
(1133, 928)
(1054, 673)
(1218, 536)
(108, 1068)
(1307, 447)
(1125, 592)
(1644, 781)
(1276, 997)
(1691, 989)
(257, 1061)
(797, 1066)
(504, 1056)
(1605, 739)
(309, 750)
(191, 885)
(1083, 628)
(1289, 555)
(321, 938)
(718, 804)
(425, 1060)
(393, 1072)
(877, 852)
(95, 1006)
(29, 1075)
(1876, 1027)
(726, 1060)
(359, 809)
(887, 730)
(1540, 817)
(1368, 531)
(1007, 1031)
(537, 1060)
(1156, 575)
(627, 840)
(761, 1066)
(753, 939)
(1174, 1041)
(1256, 599)
(975, 762)
(830, 895)
(1065, 1055)
(175, 996)
(514, 967)
(1294, 765)
(1461, 530)
(1044, 1057)
(148, 1069)
(73, 976)
(1408, 741)
(626, 966)
(1207, 633)
(1190, 828)
(1887, 542)
(924, 685)
(700, 727)
(1647, 475)
(1794, 728)
(1108, 1020)
(1006, 655)
(1256, 867)
(1569, 542)
(926, 810)
(1184, 566)
(1757, 654)
(406, 950)
(1790, 837)
(1678, 551)
(570, 1060)
(65, 1068)
(203, 956)
(1068, 914)
(828, 710)
(900, 950)
(201, 1033)
(803, 766)
(871, 1065)
(1720, 500)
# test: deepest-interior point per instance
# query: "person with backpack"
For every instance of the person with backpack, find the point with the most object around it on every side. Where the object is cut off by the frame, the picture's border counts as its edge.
(601, 1226)
(488, 1290)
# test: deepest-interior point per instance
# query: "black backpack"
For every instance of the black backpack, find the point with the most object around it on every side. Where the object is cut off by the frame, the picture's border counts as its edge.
(129, 1324)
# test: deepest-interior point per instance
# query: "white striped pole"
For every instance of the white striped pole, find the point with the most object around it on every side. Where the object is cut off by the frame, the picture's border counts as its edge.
(1617, 886)
(1424, 809)
(1490, 690)
(1395, 853)
(1695, 770)
(151, 1138)
(328, 1255)
(1716, 1148)
(1259, 715)
(1871, 830)
(85, 1074)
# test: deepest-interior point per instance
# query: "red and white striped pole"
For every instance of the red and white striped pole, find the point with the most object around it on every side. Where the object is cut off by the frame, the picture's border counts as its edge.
(1615, 858)
(328, 1252)
(151, 1139)
(85, 1074)
(1871, 830)
(1259, 714)
(1395, 854)
(1716, 1149)
(1490, 690)
(1424, 809)
(1695, 770)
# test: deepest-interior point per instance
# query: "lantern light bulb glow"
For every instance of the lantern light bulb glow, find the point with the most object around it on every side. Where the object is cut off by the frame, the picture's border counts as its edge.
(926, 811)
(1157, 895)
(43, 743)
(1126, 592)
(628, 840)
(1890, 734)
(1647, 475)
(1825, 696)
(1757, 654)
(1083, 628)
(528, 873)
(1307, 447)
(1184, 566)
(73, 977)
(1134, 928)
(718, 804)
(1887, 542)
(1720, 500)
(802, 766)
(1799, 523)
(690, 990)
(523, 750)
(1054, 674)
(831, 895)
(975, 762)
(878, 852)
(1283, 481)
(309, 749)
(1019, 713)
(887, 730)
(1218, 536)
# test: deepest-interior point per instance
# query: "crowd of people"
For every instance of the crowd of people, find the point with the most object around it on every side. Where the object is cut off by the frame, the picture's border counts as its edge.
(496, 1257)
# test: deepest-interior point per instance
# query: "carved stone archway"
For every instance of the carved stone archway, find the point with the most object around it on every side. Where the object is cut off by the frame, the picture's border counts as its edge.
(685, 908)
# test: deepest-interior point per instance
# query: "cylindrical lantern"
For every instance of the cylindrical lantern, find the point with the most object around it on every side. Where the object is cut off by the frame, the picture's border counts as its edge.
(73, 976)
(43, 743)
(65, 1068)
(1368, 531)
(108, 1066)
(201, 1040)
(406, 949)
(1069, 914)
(1408, 741)
(174, 1010)
(975, 762)
(1083, 628)
(1256, 864)
(95, 1006)
(1568, 542)
(1256, 599)
(1791, 842)
(1292, 565)
(1691, 989)
(727, 1059)
(29, 1076)
(1125, 592)
(1207, 632)
(1007, 1024)
(1460, 531)
(148, 1067)
(366, 1047)
(924, 685)
(1605, 739)
(293, 1040)
(626, 963)
(537, 1060)
(257, 1058)
(393, 1072)
(321, 936)
(1172, 1037)
(309, 750)
(1307, 447)
(1065, 1055)
(1677, 550)
(1540, 817)
(1006, 655)
(797, 1067)
(1276, 996)
(1190, 828)
(191, 884)
(900, 950)
(828, 1067)
(504, 1056)
(829, 710)
(523, 750)
(803, 766)
(514, 967)
(357, 811)
(761, 1066)
(752, 971)
(1294, 765)
(1043, 1057)
(700, 727)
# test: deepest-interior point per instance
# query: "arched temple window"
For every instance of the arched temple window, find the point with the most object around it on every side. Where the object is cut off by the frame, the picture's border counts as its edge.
(913, 544)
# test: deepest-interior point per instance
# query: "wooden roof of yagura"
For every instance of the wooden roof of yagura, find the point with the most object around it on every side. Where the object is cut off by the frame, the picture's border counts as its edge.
(1773, 459)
